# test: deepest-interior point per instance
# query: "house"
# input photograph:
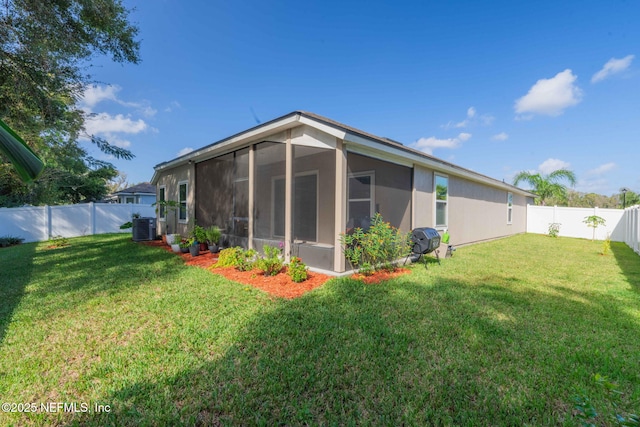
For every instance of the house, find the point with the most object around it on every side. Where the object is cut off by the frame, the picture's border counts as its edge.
(302, 179)
(143, 193)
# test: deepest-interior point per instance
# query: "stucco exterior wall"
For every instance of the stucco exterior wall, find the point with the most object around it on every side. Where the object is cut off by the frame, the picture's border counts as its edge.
(478, 212)
(423, 197)
(170, 179)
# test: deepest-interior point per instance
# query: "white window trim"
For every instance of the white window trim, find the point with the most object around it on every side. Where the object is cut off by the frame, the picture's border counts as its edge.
(133, 199)
(435, 203)
(186, 202)
(273, 193)
(372, 192)
(162, 218)
(509, 208)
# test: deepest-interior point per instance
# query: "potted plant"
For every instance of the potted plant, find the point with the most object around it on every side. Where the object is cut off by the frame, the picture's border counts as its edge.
(185, 244)
(175, 242)
(212, 236)
(194, 247)
(200, 235)
(170, 206)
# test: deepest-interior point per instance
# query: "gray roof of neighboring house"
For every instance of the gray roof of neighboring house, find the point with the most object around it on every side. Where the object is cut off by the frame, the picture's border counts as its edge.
(409, 151)
(143, 188)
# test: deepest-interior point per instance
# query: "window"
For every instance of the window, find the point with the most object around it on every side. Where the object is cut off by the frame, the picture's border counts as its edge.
(162, 213)
(361, 199)
(442, 200)
(305, 206)
(182, 201)
(509, 208)
(129, 199)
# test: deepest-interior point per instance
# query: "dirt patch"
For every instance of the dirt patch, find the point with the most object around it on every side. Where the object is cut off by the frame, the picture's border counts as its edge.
(380, 276)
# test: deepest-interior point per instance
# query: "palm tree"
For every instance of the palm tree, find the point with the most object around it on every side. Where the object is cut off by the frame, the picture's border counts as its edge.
(547, 186)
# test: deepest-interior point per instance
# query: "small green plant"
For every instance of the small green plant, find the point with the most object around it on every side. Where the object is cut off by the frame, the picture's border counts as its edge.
(588, 415)
(594, 221)
(554, 229)
(246, 260)
(212, 234)
(58, 242)
(228, 257)
(377, 248)
(297, 270)
(129, 224)
(271, 263)
(199, 234)
(10, 241)
(185, 243)
(606, 245)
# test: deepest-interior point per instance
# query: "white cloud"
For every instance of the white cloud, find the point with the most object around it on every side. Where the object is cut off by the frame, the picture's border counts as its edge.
(103, 123)
(94, 95)
(471, 112)
(551, 165)
(602, 169)
(550, 96)
(185, 150)
(173, 105)
(613, 66)
(472, 118)
(117, 141)
(502, 136)
(429, 144)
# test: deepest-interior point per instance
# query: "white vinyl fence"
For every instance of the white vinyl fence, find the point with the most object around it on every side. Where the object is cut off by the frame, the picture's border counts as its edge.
(40, 223)
(632, 223)
(572, 224)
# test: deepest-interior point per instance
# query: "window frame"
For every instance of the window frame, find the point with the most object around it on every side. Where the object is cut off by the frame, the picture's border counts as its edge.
(372, 192)
(162, 197)
(509, 208)
(184, 220)
(437, 226)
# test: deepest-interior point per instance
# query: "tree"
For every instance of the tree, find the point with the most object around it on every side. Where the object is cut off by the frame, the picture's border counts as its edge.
(45, 54)
(547, 186)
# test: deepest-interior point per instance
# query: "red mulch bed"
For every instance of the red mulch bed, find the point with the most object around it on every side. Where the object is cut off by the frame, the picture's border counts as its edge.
(279, 285)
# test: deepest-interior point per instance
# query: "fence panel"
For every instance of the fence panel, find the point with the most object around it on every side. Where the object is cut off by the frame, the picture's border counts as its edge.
(632, 235)
(572, 224)
(42, 222)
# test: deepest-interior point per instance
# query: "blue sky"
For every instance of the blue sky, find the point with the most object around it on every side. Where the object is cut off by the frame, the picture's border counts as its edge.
(495, 87)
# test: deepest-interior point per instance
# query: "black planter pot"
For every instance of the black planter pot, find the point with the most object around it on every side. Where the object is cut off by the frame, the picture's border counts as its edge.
(194, 250)
(184, 250)
(214, 248)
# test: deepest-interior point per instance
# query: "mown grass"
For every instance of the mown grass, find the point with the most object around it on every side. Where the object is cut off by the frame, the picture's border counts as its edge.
(504, 333)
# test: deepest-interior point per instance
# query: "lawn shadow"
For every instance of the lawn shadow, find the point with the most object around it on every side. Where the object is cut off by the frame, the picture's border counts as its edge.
(629, 263)
(17, 269)
(402, 352)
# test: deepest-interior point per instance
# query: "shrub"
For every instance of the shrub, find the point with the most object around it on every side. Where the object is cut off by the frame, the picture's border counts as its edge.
(554, 229)
(270, 264)
(229, 257)
(199, 234)
(594, 221)
(10, 241)
(212, 234)
(377, 248)
(606, 245)
(297, 270)
(58, 242)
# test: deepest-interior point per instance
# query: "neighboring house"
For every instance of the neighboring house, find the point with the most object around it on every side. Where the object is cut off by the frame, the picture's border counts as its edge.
(302, 179)
(144, 194)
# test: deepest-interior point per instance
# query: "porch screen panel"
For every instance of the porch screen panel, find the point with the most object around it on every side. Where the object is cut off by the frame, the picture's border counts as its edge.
(268, 198)
(241, 193)
(313, 194)
(214, 192)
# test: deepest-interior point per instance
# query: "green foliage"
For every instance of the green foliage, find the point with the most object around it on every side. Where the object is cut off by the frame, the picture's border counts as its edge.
(212, 234)
(126, 225)
(185, 243)
(271, 263)
(199, 234)
(237, 257)
(297, 270)
(606, 245)
(554, 229)
(547, 186)
(10, 241)
(588, 415)
(594, 221)
(379, 247)
(46, 49)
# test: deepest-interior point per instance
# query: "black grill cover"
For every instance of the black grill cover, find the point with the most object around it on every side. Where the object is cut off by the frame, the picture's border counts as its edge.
(425, 240)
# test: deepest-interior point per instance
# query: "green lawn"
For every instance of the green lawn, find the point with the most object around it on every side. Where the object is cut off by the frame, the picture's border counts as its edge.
(504, 333)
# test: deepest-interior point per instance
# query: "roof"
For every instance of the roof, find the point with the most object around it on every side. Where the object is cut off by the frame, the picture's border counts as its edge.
(352, 136)
(142, 188)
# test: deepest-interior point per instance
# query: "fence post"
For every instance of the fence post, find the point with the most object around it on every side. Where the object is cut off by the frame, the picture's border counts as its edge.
(93, 217)
(48, 221)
